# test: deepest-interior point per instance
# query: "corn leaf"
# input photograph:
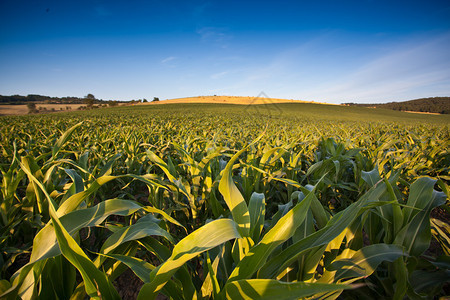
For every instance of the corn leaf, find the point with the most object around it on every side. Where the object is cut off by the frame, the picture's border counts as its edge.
(283, 230)
(233, 197)
(415, 236)
(206, 237)
(273, 289)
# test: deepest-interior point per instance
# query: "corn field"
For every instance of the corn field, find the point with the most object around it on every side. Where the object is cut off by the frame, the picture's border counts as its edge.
(224, 202)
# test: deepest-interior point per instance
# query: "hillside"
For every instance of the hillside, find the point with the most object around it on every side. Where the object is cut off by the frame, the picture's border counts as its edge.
(229, 100)
(440, 105)
(292, 111)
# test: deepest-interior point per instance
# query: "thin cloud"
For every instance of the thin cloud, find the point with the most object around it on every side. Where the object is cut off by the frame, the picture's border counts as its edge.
(413, 68)
(168, 59)
(410, 69)
(217, 36)
(219, 75)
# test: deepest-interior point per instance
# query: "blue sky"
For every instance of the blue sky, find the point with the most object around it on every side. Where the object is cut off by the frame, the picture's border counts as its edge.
(327, 51)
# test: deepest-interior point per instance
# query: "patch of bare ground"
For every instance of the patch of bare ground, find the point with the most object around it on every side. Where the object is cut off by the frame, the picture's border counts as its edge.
(128, 285)
(420, 112)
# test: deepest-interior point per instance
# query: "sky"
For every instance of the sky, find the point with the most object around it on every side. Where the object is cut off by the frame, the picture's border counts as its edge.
(364, 51)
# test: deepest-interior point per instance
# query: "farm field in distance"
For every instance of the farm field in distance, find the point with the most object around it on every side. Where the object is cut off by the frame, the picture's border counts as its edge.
(22, 109)
(224, 201)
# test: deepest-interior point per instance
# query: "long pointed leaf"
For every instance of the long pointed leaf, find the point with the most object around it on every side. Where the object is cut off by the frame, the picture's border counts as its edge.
(283, 230)
(273, 289)
(207, 237)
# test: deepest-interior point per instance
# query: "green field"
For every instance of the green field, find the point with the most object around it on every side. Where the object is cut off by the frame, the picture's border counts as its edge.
(214, 201)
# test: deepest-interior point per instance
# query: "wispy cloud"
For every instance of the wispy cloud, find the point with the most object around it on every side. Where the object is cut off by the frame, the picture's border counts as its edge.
(168, 59)
(409, 69)
(169, 62)
(215, 35)
(219, 75)
(317, 70)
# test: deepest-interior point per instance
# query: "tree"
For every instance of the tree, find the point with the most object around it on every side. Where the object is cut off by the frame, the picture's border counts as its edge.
(144, 100)
(89, 100)
(155, 99)
(112, 103)
(32, 108)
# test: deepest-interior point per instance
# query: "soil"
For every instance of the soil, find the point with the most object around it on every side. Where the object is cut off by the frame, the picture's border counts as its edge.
(440, 214)
(128, 285)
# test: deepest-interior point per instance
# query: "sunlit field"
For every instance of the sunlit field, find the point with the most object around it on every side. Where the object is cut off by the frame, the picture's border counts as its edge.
(217, 201)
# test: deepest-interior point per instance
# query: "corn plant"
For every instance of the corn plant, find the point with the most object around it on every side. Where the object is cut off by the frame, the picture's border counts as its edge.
(198, 203)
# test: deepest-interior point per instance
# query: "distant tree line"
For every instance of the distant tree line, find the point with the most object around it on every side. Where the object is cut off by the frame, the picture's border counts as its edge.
(18, 99)
(439, 105)
(89, 99)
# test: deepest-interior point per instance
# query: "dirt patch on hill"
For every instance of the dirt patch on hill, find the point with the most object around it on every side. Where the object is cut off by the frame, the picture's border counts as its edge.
(420, 112)
(228, 100)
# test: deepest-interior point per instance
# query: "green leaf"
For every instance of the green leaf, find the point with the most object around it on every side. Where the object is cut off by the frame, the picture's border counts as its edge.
(211, 284)
(141, 268)
(4, 286)
(58, 279)
(164, 214)
(206, 237)
(429, 281)
(96, 282)
(320, 215)
(107, 168)
(324, 236)
(364, 262)
(233, 197)
(63, 139)
(371, 177)
(415, 235)
(133, 232)
(273, 289)
(162, 164)
(420, 196)
(74, 201)
(283, 230)
(257, 210)
(45, 245)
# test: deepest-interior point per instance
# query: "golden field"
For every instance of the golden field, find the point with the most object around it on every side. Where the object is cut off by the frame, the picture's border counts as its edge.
(228, 100)
(22, 109)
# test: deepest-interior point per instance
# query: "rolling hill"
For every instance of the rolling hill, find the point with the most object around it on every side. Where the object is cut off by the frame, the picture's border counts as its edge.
(440, 105)
(230, 100)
